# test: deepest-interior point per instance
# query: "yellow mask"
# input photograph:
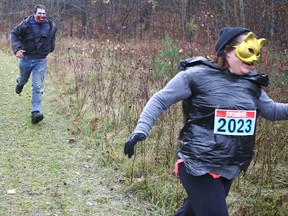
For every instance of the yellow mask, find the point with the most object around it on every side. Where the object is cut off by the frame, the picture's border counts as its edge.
(249, 50)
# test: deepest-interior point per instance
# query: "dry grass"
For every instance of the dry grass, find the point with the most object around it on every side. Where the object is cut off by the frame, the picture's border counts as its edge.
(48, 169)
(103, 86)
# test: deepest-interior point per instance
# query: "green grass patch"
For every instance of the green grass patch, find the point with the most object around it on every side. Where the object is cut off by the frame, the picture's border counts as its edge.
(45, 169)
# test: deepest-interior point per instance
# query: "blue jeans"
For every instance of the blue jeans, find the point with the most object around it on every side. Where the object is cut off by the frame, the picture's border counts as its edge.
(38, 69)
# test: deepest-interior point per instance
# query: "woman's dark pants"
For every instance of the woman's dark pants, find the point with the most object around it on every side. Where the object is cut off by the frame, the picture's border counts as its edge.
(206, 195)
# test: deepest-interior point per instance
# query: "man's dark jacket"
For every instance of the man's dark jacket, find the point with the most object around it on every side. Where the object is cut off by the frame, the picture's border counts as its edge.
(22, 38)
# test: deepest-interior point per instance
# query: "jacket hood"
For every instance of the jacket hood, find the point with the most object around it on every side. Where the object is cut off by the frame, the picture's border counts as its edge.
(260, 78)
(31, 17)
(184, 64)
(257, 77)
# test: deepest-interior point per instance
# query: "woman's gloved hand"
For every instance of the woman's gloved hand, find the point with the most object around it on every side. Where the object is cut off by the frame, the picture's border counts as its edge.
(131, 142)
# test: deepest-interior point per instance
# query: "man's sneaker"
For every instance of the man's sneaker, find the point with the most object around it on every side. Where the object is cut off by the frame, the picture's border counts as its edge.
(19, 89)
(36, 117)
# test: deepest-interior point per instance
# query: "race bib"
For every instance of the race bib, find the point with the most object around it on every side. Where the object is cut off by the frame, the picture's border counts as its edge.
(234, 122)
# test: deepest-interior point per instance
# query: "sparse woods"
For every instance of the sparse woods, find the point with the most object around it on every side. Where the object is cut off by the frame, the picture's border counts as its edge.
(104, 77)
(106, 84)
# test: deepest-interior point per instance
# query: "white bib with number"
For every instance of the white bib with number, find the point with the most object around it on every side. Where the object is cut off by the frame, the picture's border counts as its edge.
(234, 122)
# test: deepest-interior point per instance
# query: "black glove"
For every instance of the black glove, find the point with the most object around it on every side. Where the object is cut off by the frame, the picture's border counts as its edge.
(131, 142)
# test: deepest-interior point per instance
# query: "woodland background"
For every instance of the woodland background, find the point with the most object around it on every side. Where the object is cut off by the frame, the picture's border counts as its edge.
(112, 56)
(154, 19)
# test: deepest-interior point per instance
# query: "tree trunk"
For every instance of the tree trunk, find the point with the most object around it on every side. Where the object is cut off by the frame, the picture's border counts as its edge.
(242, 14)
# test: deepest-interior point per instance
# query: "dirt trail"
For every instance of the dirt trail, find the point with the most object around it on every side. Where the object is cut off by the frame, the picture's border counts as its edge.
(43, 174)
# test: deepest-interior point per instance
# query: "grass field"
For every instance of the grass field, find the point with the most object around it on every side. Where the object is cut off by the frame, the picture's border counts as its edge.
(44, 169)
(72, 162)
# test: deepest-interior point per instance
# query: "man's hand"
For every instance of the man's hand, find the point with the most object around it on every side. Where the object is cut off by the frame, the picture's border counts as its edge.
(131, 142)
(19, 53)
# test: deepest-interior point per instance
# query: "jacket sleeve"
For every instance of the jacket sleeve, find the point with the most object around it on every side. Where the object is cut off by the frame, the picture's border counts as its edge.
(177, 89)
(15, 38)
(271, 110)
(53, 38)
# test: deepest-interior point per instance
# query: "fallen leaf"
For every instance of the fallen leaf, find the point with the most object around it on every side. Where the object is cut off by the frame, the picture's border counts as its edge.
(72, 140)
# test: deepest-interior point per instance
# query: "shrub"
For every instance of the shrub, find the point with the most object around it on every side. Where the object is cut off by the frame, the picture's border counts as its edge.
(167, 59)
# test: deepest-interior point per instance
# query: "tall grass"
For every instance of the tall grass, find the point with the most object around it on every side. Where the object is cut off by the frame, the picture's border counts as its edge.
(105, 85)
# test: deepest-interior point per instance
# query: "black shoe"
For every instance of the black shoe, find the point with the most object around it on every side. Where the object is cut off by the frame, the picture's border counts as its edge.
(36, 117)
(19, 89)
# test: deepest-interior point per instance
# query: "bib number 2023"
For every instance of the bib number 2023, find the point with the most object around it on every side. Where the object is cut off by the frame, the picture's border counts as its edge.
(234, 122)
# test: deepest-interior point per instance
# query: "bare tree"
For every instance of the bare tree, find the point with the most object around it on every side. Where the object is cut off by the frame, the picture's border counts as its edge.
(242, 14)
(182, 19)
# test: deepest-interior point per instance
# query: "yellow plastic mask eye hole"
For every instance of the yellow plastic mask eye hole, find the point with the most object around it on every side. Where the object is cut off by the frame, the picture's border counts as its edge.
(251, 51)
